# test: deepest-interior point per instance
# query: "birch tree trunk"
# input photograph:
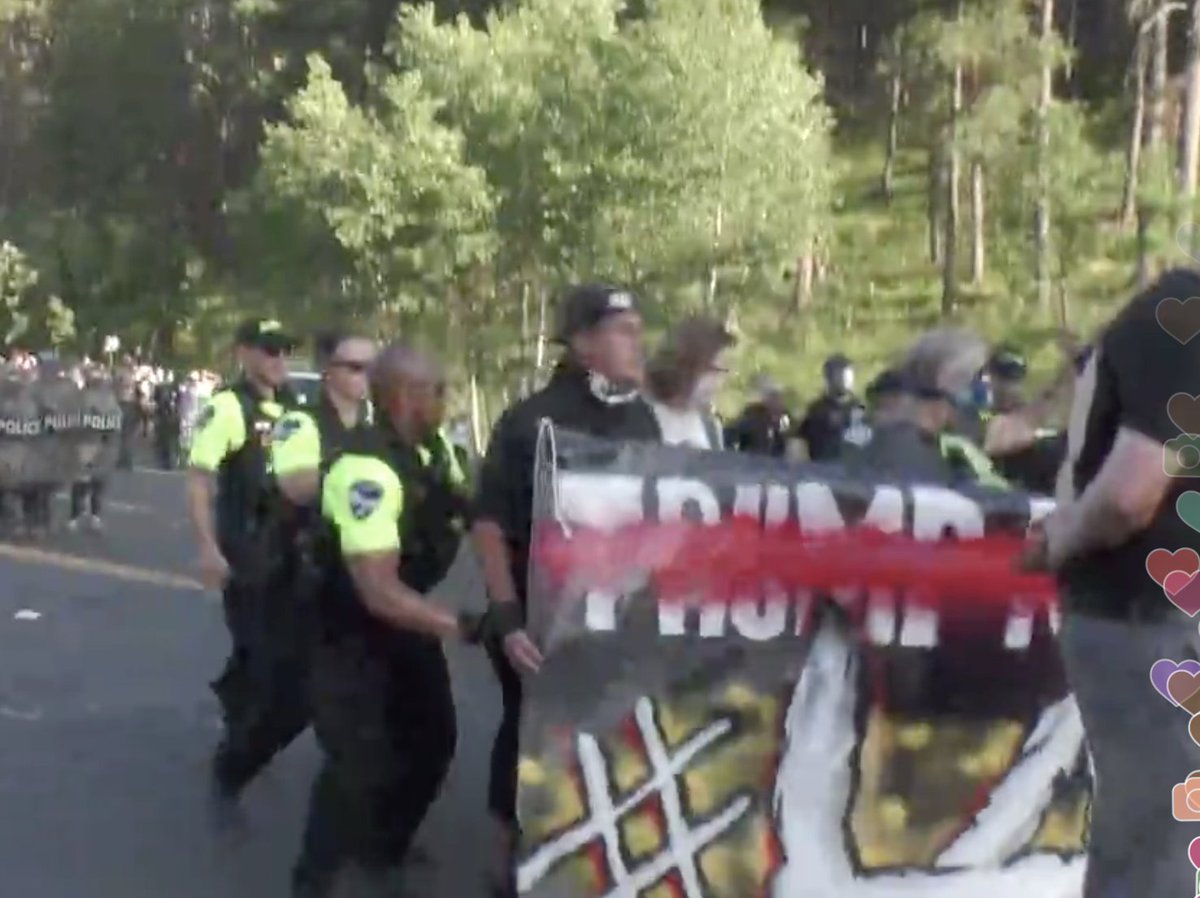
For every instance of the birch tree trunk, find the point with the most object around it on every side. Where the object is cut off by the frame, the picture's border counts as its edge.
(1041, 225)
(806, 266)
(1189, 155)
(893, 138)
(1137, 126)
(526, 340)
(978, 222)
(953, 176)
(542, 337)
(1156, 107)
(934, 202)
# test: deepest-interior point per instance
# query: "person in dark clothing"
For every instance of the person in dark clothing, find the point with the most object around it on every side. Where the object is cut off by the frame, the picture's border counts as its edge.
(383, 709)
(1127, 466)
(936, 378)
(762, 427)
(1022, 449)
(229, 473)
(166, 423)
(595, 390)
(837, 416)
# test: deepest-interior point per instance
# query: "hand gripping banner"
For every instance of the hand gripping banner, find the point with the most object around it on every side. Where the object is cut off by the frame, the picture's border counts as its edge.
(779, 680)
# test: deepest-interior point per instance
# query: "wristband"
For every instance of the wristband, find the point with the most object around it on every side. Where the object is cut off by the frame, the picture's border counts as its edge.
(471, 626)
(505, 618)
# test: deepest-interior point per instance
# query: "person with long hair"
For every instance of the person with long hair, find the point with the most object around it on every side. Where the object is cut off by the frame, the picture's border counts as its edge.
(683, 379)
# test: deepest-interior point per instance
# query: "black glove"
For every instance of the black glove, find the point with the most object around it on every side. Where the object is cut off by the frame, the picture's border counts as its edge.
(501, 619)
(473, 626)
(505, 618)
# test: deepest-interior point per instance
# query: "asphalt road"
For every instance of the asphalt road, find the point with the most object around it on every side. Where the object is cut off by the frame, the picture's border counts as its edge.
(106, 725)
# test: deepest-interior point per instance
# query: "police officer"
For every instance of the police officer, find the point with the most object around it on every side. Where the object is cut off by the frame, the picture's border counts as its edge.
(382, 704)
(307, 439)
(1025, 451)
(166, 422)
(595, 389)
(837, 416)
(916, 440)
(762, 427)
(229, 468)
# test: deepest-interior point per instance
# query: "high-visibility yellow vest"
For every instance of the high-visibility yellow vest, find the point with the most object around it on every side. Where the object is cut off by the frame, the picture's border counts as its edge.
(981, 466)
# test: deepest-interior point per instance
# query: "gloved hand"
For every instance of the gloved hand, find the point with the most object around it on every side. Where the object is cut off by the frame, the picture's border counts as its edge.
(500, 619)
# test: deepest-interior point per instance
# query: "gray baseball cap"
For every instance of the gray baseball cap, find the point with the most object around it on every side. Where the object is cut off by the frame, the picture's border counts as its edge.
(944, 362)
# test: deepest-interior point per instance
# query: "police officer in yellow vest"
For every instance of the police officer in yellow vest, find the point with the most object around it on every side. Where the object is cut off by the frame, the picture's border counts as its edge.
(229, 470)
(306, 440)
(382, 706)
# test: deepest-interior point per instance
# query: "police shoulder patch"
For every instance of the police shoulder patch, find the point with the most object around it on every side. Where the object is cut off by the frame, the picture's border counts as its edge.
(285, 428)
(365, 496)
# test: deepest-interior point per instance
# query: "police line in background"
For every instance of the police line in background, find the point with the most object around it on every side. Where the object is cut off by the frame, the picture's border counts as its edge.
(794, 745)
(52, 431)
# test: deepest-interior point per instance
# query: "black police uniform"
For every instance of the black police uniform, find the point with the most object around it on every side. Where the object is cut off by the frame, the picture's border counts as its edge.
(827, 422)
(166, 425)
(381, 698)
(506, 498)
(233, 439)
(759, 431)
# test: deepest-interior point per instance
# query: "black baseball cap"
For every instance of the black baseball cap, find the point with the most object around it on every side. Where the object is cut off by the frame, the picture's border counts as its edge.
(838, 362)
(264, 333)
(888, 383)
(584, 307)
(1007, 363)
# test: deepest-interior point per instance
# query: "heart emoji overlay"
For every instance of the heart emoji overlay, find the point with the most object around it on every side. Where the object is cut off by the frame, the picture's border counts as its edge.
(1163, 668)
(1184, 411)
(1194, 729)
(1188, 507)
(1184, 689)
(1161, 562)
(1179, 319)
(1184, 591)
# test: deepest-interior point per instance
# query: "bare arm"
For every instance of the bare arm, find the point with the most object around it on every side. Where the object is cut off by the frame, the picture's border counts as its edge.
(301, 487)
(496, 560)
(201, 488)
(1120, 502)
(386, 598)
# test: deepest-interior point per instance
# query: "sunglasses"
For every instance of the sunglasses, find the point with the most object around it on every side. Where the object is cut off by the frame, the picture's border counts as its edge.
(354, 366)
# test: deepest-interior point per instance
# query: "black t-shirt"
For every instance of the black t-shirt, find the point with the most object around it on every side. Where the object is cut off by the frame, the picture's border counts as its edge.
(1035, 467)
(827, 422)
(902, 450)
(758, 431)
(1136, 369)
(506, 480)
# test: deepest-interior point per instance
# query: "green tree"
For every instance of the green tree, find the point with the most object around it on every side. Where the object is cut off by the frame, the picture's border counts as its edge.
(29, 314)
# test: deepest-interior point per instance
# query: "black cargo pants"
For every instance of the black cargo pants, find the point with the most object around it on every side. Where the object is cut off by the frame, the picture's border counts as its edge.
(383, 713)
(263, 689)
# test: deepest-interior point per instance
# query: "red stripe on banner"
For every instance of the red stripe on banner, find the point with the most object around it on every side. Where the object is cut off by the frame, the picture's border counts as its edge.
(741, 560)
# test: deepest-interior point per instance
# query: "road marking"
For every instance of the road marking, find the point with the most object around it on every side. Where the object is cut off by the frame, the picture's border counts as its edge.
(111, 506)
(28, 555)
(174, 472)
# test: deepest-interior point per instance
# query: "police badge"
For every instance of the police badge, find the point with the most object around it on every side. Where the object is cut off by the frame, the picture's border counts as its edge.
(365, 496)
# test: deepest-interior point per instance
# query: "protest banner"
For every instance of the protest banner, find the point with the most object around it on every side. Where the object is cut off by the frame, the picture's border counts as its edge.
(846, 735)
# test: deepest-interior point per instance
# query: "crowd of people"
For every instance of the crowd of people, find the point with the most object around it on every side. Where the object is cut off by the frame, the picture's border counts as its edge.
(156, 406)
(325, 525)
(332, 522)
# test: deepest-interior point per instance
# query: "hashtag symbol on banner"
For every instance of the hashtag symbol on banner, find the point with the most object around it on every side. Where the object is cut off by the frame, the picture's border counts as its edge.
(684, 840)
